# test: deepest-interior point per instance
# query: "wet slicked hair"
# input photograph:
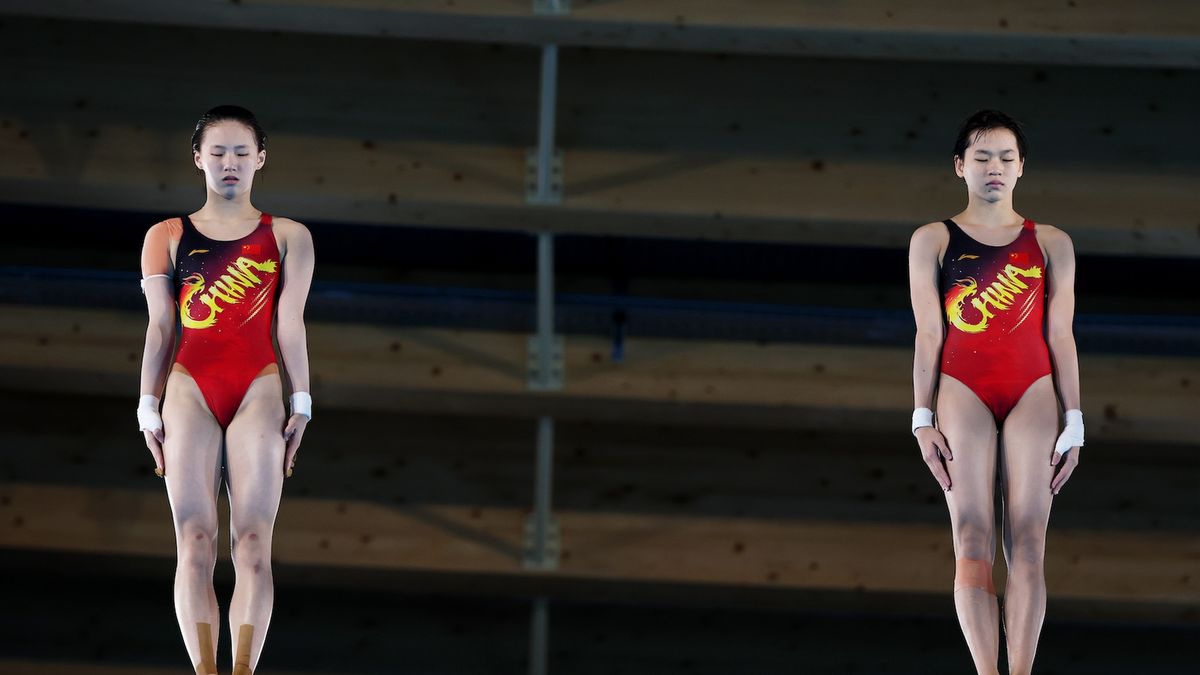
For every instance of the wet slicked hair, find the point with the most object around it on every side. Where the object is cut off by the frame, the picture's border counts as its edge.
(984, 121)
(228, 112)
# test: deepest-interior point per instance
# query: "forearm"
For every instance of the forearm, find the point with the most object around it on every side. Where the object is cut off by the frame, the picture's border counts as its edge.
(926, 368)
(156, 358)
(1066, 370)
(293, 347)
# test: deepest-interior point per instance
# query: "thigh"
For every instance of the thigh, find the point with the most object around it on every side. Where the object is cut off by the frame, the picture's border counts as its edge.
(254, 451)
(191, 453)
(970, 431)
(1027, 444)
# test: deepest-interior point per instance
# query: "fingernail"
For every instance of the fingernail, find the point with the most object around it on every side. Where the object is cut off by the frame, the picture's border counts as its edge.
(289, 472)
(158, 472)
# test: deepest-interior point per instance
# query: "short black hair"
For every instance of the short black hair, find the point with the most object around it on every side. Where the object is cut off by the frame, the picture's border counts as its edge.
(983, 121)
(229, 112)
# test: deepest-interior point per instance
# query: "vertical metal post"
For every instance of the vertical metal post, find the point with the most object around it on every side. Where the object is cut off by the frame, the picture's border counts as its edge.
(545, 310)
(548, 99)
(542, 488)
(539, 637)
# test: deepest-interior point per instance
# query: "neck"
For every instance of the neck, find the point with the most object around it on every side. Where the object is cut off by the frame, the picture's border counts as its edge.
(982, 212)
(218, 208)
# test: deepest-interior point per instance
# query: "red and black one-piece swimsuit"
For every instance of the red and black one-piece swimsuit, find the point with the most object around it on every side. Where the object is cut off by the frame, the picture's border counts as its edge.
(227, 292)
(994, 300)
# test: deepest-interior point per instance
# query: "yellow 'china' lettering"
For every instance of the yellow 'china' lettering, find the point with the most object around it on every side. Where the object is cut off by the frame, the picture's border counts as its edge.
(1000, 296)
(230, 289)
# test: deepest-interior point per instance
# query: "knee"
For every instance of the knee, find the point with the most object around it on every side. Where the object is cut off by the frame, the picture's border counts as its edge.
(196, 544)
(976, 574)
(974, 539)
(252, 550)
(1027, 549)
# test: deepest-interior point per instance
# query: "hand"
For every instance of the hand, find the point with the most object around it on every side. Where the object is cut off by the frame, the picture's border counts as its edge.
(292, 433)
(154, 441)
(1066, 466)
(936, 452)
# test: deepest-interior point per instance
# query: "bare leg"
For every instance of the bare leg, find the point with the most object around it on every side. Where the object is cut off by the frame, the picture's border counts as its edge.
(254, 457)
(970, 432)
(192, 455)
(1027, 443)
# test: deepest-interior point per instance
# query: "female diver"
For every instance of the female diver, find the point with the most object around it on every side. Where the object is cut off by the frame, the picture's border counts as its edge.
(993, 296)
(223, 275)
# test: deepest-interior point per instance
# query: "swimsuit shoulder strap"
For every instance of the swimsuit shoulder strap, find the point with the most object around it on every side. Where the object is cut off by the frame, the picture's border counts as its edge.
(1028, 224)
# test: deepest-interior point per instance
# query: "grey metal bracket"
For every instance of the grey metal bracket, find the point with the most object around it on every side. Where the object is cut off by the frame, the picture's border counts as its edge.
(552, 7)
(554, 380)
(554, 192)
(551, 551)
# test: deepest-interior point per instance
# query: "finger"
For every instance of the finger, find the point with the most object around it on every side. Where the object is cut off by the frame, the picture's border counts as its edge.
(1055, 457)
(289, 428)
(939, 473)
(1061, 479)
(159, 435)
(289, 456)
(945, 448)
(159, 469)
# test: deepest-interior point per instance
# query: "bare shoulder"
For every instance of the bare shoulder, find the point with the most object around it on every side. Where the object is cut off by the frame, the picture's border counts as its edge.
(288, 224)
(171, 228)
(1056, 241)
(292, 231)
(929, 237)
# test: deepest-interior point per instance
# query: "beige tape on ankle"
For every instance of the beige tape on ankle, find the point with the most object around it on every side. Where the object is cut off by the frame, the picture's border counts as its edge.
(208, 655)
(241, 663)
(970, 573)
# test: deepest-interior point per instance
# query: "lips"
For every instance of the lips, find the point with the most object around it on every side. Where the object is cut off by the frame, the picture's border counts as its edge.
(229, 180)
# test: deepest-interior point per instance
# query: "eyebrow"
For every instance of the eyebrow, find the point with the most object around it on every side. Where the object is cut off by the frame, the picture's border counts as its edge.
(989, 152)
(236, 147)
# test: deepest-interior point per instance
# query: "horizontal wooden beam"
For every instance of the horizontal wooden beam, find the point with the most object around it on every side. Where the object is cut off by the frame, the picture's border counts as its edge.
(1106, 32)
(718, 148)
(1106, 566)
(795, 385)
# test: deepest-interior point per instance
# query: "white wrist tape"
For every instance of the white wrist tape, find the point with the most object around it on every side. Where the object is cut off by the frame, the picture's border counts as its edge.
(147, 414)
(922, 417)
(1072, 433)
(152, 276)
(302, 404)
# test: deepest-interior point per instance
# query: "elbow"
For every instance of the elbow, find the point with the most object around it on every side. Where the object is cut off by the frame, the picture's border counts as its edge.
(160, 332)
(1061, 338)
(930, 338)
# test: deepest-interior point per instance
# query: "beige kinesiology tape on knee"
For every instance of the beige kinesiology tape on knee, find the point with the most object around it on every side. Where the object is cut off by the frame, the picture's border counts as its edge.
(208, 654)
(241, 662)
(970, 573)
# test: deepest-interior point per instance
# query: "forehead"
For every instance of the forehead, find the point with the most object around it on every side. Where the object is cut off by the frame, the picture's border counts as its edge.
(229, 133)
(993, 140)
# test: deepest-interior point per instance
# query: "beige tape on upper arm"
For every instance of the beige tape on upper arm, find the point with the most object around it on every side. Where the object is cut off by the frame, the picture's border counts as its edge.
(156, 249)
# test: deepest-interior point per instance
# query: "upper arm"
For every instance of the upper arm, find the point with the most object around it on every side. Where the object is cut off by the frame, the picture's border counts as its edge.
(1060, 281)
(923, 251)
(158, 268)
(298, 261)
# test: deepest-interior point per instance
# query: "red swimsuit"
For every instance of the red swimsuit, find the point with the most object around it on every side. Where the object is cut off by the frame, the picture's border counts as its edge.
(227, 292)
(994, 298)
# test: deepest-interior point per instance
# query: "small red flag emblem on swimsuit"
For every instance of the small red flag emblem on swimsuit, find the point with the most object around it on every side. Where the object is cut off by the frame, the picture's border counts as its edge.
(251, 249)
(1018, 258)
